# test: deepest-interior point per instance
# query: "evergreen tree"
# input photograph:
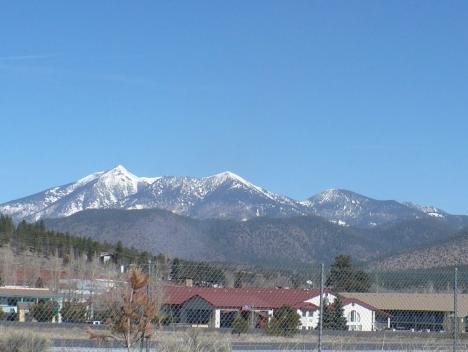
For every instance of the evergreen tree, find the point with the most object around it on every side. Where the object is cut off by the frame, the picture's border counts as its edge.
(339, 319)
(7, 228)
(333, 316)
(344, 277)
(39, 283)
(238, 280)
(176, 270)
(44, 311)
(328, 317)
(285, 322)
(73, 311)
(118, 253)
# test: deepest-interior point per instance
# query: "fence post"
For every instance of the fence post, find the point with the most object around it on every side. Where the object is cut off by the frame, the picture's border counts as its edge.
(148, 293)
(455, 310)
(321, 310)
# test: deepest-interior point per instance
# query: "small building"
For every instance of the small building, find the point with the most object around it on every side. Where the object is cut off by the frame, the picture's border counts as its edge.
(85, 287)
(106, 257)
(15, 301)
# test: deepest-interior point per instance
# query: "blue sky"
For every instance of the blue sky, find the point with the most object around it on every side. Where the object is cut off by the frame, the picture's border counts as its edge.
(296, 96)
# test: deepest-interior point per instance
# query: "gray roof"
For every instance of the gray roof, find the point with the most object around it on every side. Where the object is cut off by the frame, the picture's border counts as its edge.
(27, 292)
(428, 302)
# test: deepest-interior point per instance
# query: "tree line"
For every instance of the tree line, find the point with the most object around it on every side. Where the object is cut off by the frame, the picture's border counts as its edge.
(37, 239)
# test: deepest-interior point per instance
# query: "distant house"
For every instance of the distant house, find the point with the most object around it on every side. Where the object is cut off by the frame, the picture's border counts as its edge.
(217, 307)
(85, 287)
(105, 257)
(15, 301)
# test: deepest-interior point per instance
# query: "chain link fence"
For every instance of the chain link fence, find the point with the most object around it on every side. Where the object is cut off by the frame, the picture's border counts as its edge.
(185, 306)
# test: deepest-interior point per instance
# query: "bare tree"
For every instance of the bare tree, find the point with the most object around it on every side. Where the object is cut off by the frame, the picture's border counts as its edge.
(136, 311)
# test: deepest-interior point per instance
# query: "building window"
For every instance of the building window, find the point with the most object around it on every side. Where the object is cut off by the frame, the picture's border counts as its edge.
(355, 328)
(354, 317)
(12, 301)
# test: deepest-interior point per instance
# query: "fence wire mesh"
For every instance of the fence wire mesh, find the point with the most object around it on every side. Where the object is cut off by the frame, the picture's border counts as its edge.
(176, 305)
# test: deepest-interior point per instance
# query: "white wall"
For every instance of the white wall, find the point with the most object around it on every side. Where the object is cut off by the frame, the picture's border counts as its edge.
(327, 296)
(367, 317)
(310, 321)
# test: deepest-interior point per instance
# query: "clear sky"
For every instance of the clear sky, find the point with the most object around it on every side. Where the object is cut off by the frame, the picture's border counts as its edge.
(296, 96)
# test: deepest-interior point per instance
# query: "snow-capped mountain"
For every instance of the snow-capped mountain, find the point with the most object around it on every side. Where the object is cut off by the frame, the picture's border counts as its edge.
(427, 209)
(351, 209)
(104, 189)
(222, 196)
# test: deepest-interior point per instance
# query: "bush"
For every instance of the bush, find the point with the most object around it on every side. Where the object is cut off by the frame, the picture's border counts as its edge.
(285, 322)
(74, 311)
(44, 311)
(23, 342)
(239, 325)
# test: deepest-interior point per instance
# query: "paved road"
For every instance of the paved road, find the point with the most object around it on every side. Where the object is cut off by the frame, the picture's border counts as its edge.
(88, 346)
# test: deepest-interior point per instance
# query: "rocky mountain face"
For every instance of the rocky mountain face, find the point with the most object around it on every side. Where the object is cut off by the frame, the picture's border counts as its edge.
(351, 209)
(221, 196)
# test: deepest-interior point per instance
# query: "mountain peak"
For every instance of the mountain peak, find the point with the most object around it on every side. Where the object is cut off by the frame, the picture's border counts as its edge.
(334, 194)
(223, 195)
(230, 175)
(118, 169)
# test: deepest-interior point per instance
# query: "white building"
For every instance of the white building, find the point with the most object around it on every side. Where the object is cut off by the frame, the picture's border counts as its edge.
(217, 307)
(360, 316)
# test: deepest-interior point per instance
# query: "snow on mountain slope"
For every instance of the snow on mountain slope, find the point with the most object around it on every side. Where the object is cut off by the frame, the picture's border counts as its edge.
(428, 209)
(26, 207)
(224, 195)
(349, 208)
(98, 190)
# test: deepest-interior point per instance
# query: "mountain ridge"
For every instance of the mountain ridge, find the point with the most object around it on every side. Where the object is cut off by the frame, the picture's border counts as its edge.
(223, 196)
(274, 241)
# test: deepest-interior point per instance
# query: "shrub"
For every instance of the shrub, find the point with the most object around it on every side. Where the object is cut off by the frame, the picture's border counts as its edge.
(74, 311)
(285, 322)
(239, 325)
(23, 342)
(44, 311)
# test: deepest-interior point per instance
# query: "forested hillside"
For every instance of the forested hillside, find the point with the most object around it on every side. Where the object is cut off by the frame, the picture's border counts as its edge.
(36, 239)
(265, 241)
(32, 255)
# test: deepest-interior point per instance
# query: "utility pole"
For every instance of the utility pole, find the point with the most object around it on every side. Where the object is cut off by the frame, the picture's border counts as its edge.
(321, 309)
(455, 310)
(148, 292)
